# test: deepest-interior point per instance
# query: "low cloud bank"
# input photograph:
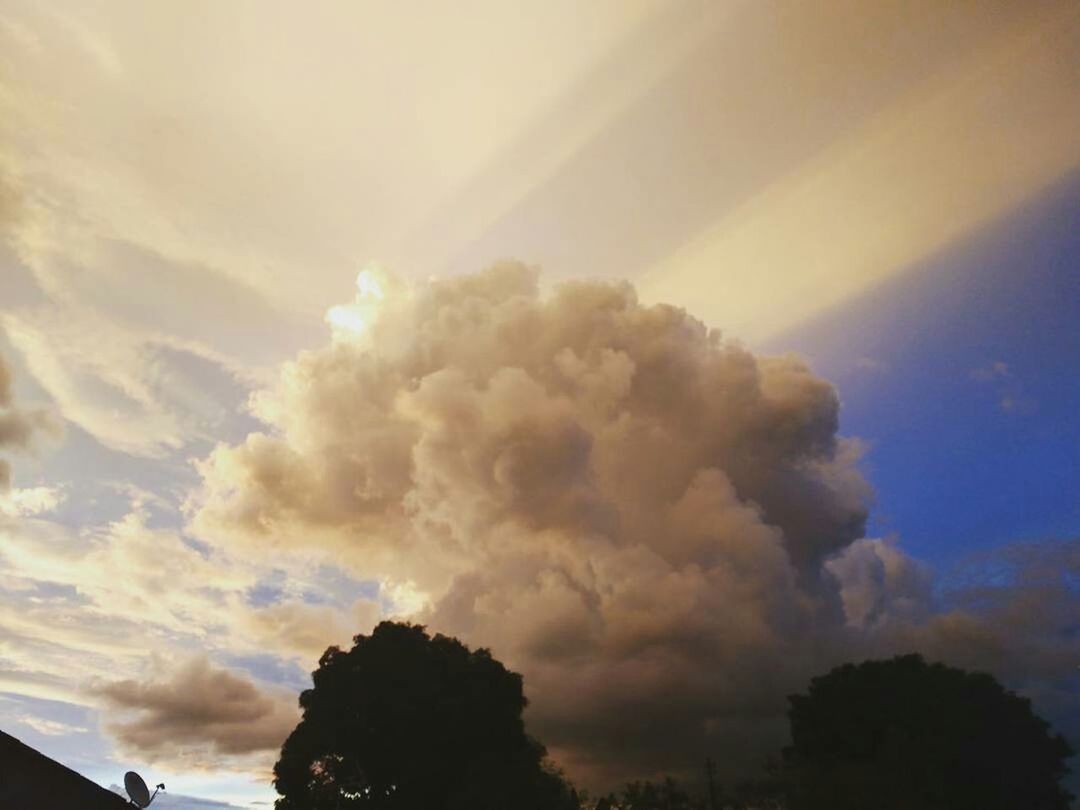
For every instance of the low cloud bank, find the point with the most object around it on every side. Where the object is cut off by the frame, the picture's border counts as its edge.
(196, 714)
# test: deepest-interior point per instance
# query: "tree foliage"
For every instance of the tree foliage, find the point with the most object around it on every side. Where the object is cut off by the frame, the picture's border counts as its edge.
(666, 795)
(405, 721)
(902, 734)
(758, 794)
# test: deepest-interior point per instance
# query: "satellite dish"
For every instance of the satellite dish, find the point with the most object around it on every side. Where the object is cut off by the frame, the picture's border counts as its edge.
(137, 790)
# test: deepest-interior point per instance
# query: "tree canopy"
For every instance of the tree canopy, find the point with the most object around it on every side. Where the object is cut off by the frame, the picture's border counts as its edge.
(407, 721)
(902, 734)
(668, 794)
(665, 795)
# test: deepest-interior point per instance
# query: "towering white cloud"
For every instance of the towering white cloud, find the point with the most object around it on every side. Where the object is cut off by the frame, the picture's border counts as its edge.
(660, 529)
(624, 505)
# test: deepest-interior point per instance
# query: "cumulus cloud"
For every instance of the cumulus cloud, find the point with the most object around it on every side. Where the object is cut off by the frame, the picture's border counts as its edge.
(660, 529)
(878, 583)
(1013, 610)
(196, 714)
(625, 506)
(574, 412)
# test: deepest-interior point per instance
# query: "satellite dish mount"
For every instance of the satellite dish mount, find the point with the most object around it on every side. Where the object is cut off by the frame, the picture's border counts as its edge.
(137, 791)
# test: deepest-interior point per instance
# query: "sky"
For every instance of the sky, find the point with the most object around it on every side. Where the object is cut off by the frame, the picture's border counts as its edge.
(676, 351)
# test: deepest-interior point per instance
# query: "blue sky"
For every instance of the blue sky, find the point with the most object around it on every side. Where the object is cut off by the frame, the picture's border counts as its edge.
(963, 377)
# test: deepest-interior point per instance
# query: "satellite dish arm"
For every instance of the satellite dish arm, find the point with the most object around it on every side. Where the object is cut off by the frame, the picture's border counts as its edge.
(156, 789)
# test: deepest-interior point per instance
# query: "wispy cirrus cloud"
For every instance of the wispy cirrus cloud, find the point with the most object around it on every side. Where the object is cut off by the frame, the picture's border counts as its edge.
(21, 431)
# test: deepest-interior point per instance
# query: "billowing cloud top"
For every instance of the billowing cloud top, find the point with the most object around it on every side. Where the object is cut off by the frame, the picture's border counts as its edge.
(660, 529)
(624, 505)
(475, 403)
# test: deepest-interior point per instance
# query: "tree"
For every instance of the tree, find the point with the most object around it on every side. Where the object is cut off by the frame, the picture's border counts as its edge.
(666, 795)
(767, 793)
(405, 721)
(900, 734)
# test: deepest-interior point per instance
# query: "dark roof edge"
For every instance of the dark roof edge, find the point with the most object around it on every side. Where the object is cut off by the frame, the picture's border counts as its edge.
(12, 746)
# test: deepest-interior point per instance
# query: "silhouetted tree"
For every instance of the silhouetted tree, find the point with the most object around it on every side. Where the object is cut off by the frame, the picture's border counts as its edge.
(667, 795)
(755, 795)
(766, 791)
(405, 721)
(903, 734)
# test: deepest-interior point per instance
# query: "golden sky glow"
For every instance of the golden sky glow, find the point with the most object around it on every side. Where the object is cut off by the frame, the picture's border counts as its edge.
(997, 124)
